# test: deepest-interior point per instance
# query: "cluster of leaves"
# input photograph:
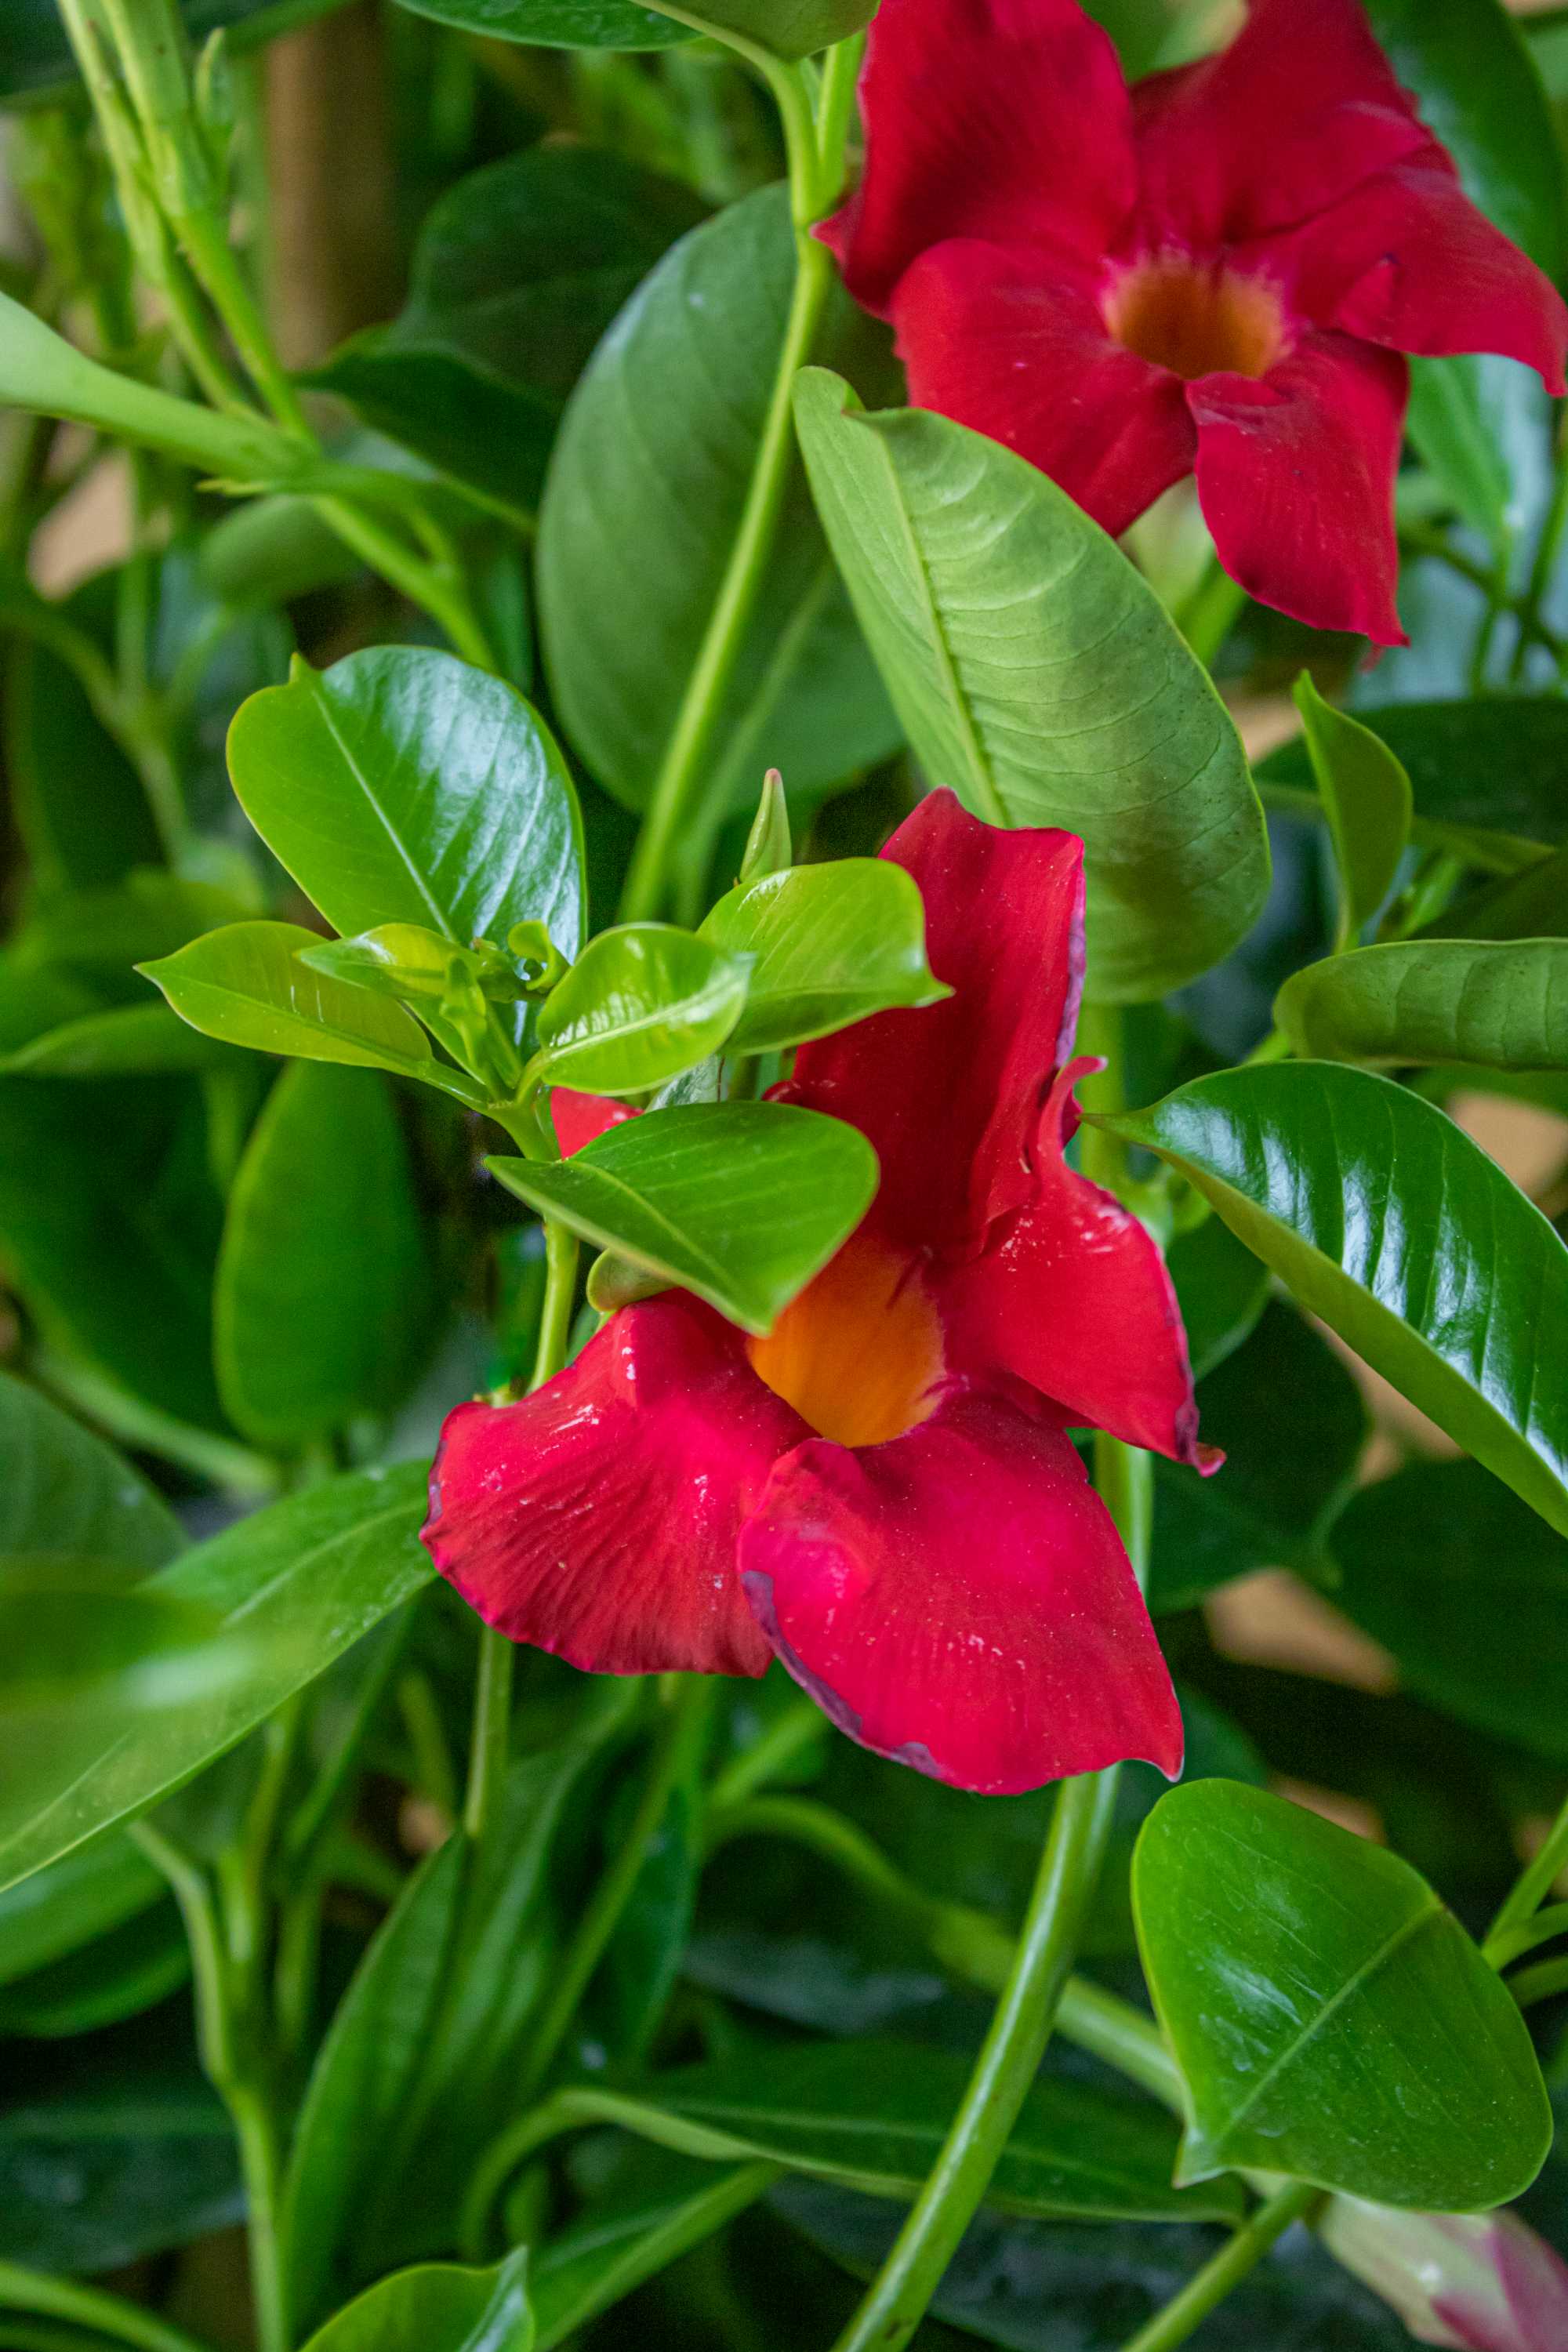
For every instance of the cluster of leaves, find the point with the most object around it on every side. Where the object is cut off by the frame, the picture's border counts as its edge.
(682, 2012)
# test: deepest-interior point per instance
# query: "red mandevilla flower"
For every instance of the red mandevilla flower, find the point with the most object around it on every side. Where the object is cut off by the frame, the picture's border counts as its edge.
(881, 1491)
(1216, 271)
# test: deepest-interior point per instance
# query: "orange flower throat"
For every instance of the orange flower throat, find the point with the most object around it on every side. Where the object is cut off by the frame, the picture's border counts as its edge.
(860, 1350)
(1198, 318)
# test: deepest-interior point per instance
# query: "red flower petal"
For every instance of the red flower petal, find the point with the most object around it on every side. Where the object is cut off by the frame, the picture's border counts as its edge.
(1300, 109)
(959, 1599)
(579, 1118)
(1073, 1297)
(949, 1095)
(984, 118)
(1012, 342)
(1409, 262)
(598, 1518)
(1296, 481)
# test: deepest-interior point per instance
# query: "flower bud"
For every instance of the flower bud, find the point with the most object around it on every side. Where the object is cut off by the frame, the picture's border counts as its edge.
(1475, 2281)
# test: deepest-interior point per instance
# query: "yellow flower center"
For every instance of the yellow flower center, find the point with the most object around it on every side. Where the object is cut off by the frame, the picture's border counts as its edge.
(859, 1352)
(1198, 318)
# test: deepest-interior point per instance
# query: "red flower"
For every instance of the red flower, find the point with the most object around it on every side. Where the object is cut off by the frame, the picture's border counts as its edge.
(882, 1490)
(1216, 271)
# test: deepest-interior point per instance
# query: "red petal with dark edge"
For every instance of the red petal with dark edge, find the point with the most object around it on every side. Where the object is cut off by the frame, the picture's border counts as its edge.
(598, 1518)
(580, 1118)
(959, 1598)
(1298, 109)
(1073, 1297)
(1409, 262)
(984, 118)
(949, 1095)
(1296, 481)
(1012, 342)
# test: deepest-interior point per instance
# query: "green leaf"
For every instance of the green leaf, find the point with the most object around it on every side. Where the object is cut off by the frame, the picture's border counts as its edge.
(297, 1583)
(1385, 1219)
(323, 1283)
(832, 943)
(65, 1494)
(125, 1041)
(516, 272)
(245, 985)
(438, 2307)
(1366, 797)
(402, 786)
(1466, 1587)
(648, 480)
(873, 2115)
(1000, 615)
(133, 1969)
(1292, 1426)
(558, 24)
(1502, 1004)
(1483, 425)
(1332, 2021)
(1221, 1290)
(742, 1203)
(599, 2258)
(133, 2159)
(125, 1650)
(1485, 775)
(1531, 905)
(642, 1003)
(419, 2066)
(1467, 63)
(790, 29)
(147, 914)
(78, 801)
(87, 1894)
(769, 848)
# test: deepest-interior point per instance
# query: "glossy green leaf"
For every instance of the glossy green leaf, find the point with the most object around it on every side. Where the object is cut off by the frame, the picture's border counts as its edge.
(65, 1494)
(245, 985)
(124, 1042)
(85, 1896)
(648, 480)
(1485, 775)
(402, 786)
(790, 29)
(1503, 1003)
(124, 1649)
(516, 272)
(1291, 1424)
(1530, 905)
(137, 2157)
(642, 1003)
(1366, 796)
(1332, 2021)
(406, 961)
(437, 2308)
(742, 1203)
(832, 943)
(1466, 1587)
(1000, 615)
(558, 24)
(1467, 64)
(323, 1283)
(298, 1584)
(1384, 1218)
(873, 2115)
(418, 2070)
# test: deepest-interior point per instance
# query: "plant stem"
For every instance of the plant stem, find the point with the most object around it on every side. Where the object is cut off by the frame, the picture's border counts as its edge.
(1503, 1949)
(381, 548)
(1244, 2251)
(492, 1697)
(1533, 1887)
(815, 171)
(1009, 2059)
(798, 1729)
(127, 2323)
(1538, 1983)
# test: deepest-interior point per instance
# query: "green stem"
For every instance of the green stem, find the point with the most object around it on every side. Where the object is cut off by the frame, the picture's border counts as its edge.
(1503, 1950)
(1243, 2253)
(1008, 2063)
(381, 548)
(798, 1729)
(127, 2323)
(690, 2225)
(1534, 1884)
(816, 173)
(1538, 1983)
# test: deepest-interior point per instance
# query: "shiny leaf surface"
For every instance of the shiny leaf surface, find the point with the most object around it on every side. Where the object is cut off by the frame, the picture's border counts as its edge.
(741, 1202)
(1384, 1219)
(1332, 2021)
(437, 2308)
(832, 943)
(642, 1003)
(65, 1494)
(993, 660)
(1499, 1003)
